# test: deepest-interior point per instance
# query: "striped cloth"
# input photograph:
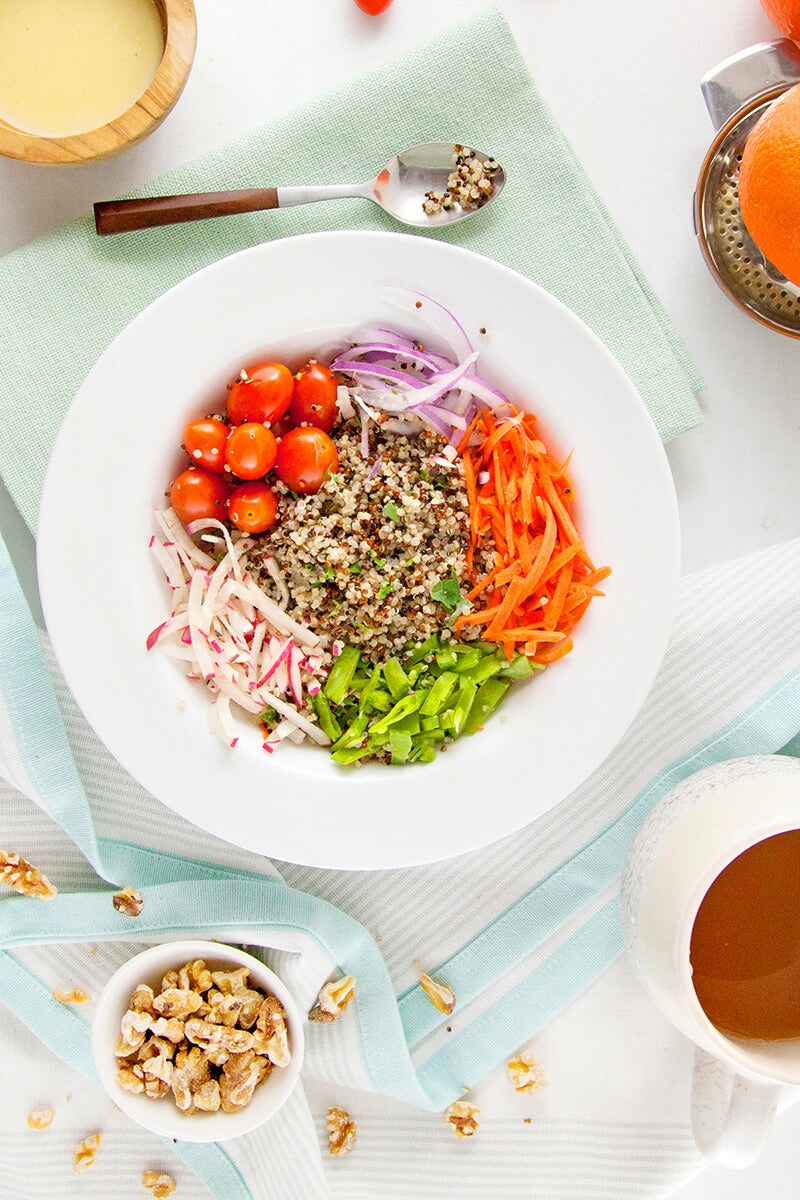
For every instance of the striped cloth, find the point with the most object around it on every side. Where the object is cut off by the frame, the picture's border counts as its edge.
(520, 930)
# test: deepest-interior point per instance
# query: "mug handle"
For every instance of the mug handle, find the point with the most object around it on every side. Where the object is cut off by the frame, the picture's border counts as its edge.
(731, 1115)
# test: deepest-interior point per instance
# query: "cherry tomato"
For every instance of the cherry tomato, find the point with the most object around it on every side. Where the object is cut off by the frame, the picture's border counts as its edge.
(205, 443)
(198, 493)
(305, 456)
(261, 393)
(250, 450)
(314, 399)
(253, 507)
(373, 7)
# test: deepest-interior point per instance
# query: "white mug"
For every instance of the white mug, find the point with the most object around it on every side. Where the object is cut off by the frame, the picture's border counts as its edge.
(688, 839)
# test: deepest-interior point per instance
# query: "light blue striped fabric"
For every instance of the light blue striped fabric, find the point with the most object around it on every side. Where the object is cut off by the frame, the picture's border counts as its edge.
(234, 900)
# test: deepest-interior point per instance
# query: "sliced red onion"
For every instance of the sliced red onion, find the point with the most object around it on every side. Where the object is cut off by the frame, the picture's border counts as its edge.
(376, 465)
(408, 427)
(344, 403)
(434, 361)
(434, 314)
(361, 370)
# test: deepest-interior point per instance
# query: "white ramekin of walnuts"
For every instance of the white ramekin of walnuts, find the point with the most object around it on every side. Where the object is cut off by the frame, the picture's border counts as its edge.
(197, 1040)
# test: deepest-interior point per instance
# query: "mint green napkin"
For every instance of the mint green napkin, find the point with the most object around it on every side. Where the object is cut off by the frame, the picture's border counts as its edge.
(66, 295)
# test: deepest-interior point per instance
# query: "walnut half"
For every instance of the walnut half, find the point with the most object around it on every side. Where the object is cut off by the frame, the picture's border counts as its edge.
(526, 1074)
(463, 1117)
(333, 999)
(440, 995)
(159, 1185)
(85, 1153)
(24, 878)
(341, 1132)
(128, 902)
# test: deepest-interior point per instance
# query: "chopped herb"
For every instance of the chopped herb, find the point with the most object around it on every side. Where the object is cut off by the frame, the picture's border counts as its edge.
(448, 593)
(355, 568)
(384, 590)
(390, 510)
(329, 573)
(380, 563)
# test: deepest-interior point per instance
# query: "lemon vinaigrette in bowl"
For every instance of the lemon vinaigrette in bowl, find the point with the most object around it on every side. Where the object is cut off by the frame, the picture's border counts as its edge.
(70, 66)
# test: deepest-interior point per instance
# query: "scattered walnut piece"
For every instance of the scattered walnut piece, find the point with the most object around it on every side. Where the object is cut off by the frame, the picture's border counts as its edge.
(526, 1074)
(85, 1153)
(24, 878)
(129, 902)
(341, 1132)
(440, 995)
(159, 1185)
(464, 1118)
(76, 996)
(40, 1118)
(333, 999)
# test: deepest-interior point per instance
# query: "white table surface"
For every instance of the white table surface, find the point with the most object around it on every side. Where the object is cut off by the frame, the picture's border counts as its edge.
(622, 78)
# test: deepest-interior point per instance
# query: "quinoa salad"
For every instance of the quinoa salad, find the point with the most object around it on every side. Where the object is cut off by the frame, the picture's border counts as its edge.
(370, 551)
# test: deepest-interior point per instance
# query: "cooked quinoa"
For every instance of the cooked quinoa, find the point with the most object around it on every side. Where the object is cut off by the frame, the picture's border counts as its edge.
(361, 555)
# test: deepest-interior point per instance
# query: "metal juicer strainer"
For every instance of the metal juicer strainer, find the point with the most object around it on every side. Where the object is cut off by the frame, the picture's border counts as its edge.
(737, 93)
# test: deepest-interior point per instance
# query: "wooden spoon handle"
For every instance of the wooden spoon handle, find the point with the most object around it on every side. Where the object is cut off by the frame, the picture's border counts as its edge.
(121, 216)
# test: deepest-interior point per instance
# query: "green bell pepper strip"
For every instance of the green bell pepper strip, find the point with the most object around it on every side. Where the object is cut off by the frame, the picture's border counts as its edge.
(439, 694)
(354, 733)
(397, 681)
(467, 660)
(408, 704)
(488, 697)
(370, 688)
(400, 745)
(466, 695)
(341, 673)
(349, 755)
(446, 657)
(520, 667)
(429, 646)
(327, 721)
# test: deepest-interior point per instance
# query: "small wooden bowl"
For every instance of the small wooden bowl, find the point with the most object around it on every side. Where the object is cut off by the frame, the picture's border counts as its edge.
(180, 36)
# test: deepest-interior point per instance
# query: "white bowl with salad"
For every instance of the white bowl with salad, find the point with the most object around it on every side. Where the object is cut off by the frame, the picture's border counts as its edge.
(400, 563)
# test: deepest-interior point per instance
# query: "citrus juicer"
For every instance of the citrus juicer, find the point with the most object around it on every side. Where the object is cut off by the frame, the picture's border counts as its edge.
(737, 93)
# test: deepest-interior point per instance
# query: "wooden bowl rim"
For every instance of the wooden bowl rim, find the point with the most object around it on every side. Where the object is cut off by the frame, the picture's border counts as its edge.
(144, 115)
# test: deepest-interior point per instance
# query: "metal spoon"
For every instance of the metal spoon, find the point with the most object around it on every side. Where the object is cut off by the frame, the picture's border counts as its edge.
(402, 189)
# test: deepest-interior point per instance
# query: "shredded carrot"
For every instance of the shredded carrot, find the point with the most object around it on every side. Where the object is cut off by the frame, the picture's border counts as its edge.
(542, 579)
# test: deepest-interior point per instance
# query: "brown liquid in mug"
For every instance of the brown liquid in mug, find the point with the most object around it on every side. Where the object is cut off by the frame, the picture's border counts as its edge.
(745, 946)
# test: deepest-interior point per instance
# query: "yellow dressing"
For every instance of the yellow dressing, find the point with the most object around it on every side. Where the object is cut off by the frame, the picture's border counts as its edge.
(68, 66)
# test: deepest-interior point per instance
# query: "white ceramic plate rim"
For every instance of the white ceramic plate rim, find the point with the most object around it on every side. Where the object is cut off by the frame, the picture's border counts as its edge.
(99, 604)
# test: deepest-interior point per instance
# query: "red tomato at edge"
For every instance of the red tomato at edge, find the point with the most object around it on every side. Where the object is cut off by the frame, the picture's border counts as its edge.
(373, 7)
(305, 457)
(205, 443)
(250, 450)
(253, 507)
(262, 393)
(314, 399)
(197, 494)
